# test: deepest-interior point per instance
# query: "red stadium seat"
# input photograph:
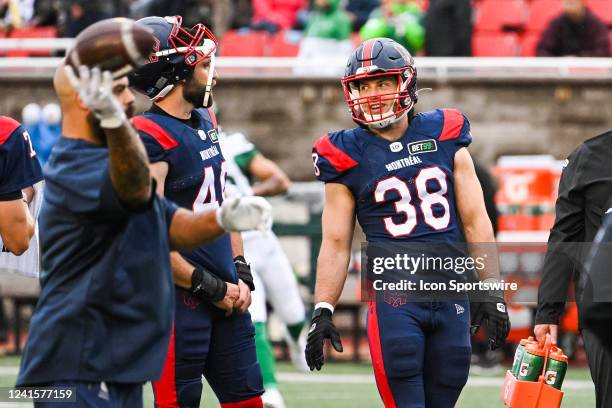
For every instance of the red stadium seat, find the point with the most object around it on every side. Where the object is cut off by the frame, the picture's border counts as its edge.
(495, 45)
(284, 44)
(499, 15)
(529, 43)
(603, 10)
(32, 32)
(541, 12)
(244, 44)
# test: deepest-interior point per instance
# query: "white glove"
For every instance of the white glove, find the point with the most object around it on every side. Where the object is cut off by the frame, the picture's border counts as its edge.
(245, 213)
(231, 191)
(95, 88)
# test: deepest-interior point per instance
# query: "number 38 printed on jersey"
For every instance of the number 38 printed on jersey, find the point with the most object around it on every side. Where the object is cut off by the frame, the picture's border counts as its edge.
(427, 201)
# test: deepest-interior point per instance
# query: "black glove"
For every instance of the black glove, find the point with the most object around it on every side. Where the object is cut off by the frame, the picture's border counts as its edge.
(492, 309)
(207, 286)
(244, 271)
(321, 328)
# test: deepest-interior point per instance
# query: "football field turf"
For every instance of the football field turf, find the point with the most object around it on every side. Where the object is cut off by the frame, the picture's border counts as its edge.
(344, 385)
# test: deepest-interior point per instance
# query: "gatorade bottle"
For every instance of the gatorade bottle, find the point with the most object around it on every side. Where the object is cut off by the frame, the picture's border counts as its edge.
(518, 355)
(556, 367)
(532, 363)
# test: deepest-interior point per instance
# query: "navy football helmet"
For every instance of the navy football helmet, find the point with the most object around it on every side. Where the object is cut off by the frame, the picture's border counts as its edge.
(176, 52)
(375, 58)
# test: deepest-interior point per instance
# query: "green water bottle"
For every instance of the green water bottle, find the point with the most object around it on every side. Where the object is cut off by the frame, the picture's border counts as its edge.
(531, 364)
(556, 367)
(518, 354)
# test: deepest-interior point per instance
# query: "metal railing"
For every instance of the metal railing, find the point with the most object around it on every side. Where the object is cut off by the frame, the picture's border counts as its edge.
(253, 68)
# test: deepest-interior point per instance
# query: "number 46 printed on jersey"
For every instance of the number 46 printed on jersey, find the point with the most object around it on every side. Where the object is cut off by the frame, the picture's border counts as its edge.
(208, 199)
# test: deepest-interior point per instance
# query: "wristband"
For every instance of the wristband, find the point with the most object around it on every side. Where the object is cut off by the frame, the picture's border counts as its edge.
(324, 305)
(244, 271)
(207, 286)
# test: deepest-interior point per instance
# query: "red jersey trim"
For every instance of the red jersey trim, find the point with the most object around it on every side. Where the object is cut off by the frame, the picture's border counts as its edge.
(453, 123)
(336, 157)
(213, 118)
(7, 127)
(157, 132)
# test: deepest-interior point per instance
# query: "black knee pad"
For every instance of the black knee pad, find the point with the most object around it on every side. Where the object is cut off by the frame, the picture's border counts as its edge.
(402, 357)
(456, 367)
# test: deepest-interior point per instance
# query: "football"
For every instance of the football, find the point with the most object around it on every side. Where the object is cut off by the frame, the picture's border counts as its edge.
(119, 45)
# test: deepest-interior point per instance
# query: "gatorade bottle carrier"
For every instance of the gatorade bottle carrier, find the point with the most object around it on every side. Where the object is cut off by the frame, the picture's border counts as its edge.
(533, 394)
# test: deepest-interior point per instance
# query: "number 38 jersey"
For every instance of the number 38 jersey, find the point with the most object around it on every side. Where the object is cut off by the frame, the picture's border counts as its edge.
(403, 190)
(196, 175)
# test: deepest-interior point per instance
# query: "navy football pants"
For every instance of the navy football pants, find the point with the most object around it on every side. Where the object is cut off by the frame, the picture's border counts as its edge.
(205, 342)
(97, 395)
(420, 351)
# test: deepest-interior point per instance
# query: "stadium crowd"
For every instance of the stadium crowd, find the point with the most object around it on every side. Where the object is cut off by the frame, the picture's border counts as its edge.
(286, 28)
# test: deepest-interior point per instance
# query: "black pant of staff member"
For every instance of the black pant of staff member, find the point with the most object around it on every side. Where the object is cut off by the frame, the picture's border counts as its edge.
(585, 193)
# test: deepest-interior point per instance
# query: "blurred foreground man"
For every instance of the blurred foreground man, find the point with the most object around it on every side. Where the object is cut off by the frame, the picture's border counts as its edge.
(585, 195)
(103, 321)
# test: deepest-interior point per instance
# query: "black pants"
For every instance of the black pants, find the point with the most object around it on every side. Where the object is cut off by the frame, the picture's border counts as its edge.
(600, 364)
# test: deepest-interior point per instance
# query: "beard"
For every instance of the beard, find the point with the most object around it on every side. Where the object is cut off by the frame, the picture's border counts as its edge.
(98, 131)
(194, 91)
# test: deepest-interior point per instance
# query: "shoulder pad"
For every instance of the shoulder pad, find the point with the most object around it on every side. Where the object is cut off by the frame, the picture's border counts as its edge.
(157, 132)
(333, 147)
(208, 115)
(7, 127)
(453, 122)
(443, 124)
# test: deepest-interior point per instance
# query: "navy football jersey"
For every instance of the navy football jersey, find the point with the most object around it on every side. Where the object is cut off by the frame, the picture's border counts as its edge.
(196, 176)
(19, 166)
(404, 190)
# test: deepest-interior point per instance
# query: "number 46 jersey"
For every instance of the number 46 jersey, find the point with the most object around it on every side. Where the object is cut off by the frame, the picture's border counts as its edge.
(403, 190)
(196, 175)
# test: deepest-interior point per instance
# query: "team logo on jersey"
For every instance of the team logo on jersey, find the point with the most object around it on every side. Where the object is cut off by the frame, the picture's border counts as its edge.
(212, 133)
(395, 299)
(424, 146)
(396, 147)
(190, 301)
(460, 309)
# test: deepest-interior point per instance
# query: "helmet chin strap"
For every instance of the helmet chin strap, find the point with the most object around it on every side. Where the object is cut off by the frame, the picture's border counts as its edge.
(211, 73)
(381, 124)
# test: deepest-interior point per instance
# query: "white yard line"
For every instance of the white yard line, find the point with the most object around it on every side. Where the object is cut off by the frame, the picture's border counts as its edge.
(322, 378)
(319, 378)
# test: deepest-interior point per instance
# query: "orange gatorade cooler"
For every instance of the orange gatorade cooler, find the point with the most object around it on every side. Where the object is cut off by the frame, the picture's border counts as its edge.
(539, 378)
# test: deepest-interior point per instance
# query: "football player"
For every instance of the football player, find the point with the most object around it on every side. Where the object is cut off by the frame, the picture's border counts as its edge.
(272, 272)
(103, 322)
(19, 171)
(407, 178)
(213, 332)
